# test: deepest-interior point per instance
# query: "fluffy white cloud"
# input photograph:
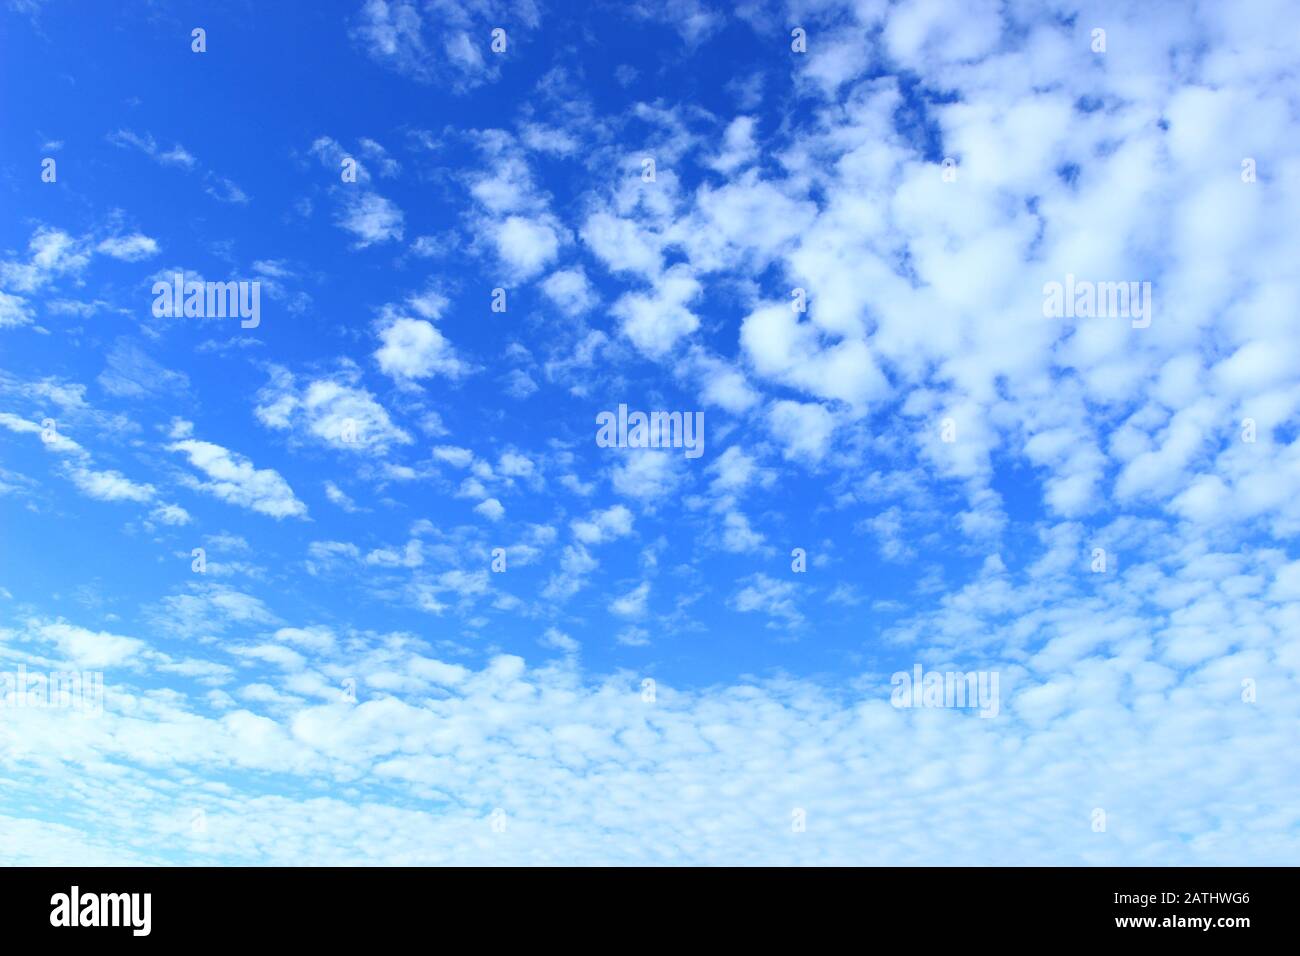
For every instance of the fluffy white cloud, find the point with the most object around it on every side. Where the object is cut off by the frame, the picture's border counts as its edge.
(438, 41)
(91, 649)
(804, 428)
(526, 245)
(415, 349)
(334, 411)
(491, 509)
(738, 146)
(570, 290)
(109, 485)
(633, 603)
(14, 311)
(647, 475)
(52, 253)
(601, 526)
(130, 248)
(769, 596)
(738, 535)
(784, 349)
(371, 218)
(655, 321)
(233, 478)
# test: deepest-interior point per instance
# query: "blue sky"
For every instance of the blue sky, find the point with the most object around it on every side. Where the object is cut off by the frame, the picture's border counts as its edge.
(347, 680)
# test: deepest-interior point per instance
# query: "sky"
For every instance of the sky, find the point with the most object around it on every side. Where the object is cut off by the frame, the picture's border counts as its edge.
(352, 576)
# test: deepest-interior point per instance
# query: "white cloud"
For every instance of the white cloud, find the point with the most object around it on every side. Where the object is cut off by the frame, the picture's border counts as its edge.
(91, 649)
(656, 321)
(338, 496)
(769, 596)
(52, 253)
(333, 411)
(56, 440)
(415, 349)
(721, 384)
(526, 245)
(788, 351)
(170, 514)
(556, 639)
(109, 485)
(633, 603)
(448, 48)
(622, 245)
(454, 456)
(548, 140)
(514, 465)
(130, 248)
(804, 428)
(570, 291)
(14, 311)
(491, 509)
(371, 218)
(738, 148)
(735, 471)
(647, 475)
(600, 526)
(738, 536)
(234, 479)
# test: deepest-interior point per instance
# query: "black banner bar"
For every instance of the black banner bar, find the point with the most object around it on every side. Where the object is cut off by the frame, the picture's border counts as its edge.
(336, 906)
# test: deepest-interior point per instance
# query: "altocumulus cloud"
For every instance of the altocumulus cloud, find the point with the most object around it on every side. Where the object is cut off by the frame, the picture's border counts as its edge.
(478, 612)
